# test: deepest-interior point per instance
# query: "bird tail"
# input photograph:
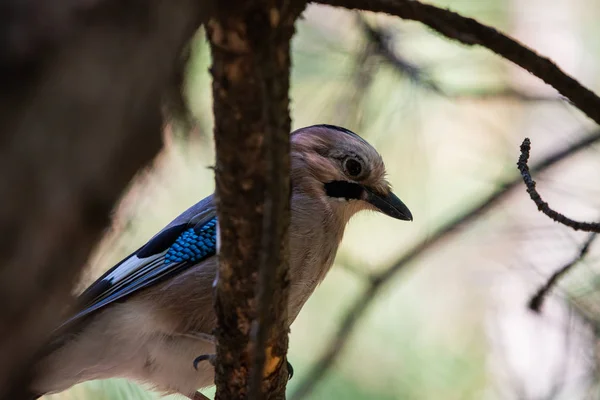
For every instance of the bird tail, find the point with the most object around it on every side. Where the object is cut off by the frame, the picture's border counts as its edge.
(35, 392)
(58, 340)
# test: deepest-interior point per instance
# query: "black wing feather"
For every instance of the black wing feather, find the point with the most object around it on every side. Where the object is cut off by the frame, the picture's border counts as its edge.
(147, 266)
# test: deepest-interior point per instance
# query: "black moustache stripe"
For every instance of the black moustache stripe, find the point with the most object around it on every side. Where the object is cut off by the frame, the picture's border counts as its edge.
(343, 189)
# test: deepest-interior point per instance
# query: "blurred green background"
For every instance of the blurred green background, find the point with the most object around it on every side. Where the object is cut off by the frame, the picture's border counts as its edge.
(454, 326)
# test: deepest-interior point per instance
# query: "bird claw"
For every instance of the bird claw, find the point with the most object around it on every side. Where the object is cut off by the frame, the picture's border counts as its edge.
(204, 357)
(211, 359)
(290, 370)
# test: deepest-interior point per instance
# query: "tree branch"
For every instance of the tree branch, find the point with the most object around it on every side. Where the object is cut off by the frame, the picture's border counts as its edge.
(537, 301)
(377, 283)
(250, 45)
(383, 43)
(541, 204)
(471, 32)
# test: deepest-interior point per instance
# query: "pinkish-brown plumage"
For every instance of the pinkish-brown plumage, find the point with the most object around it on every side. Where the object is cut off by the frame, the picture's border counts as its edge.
(155, 334)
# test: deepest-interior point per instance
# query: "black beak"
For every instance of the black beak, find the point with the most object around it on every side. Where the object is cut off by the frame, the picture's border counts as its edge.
(389, 204)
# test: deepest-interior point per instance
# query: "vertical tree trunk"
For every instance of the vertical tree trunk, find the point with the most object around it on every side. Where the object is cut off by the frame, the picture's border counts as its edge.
(250, 43)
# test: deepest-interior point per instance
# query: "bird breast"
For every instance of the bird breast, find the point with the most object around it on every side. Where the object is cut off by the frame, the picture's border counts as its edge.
(315, 235)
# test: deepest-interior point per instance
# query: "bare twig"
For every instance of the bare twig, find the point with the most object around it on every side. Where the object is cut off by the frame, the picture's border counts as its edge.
(350, 108)
(377, 283)
(471, 32)
(537, 301)
(383, 41)
(541, 204)
(501, 93)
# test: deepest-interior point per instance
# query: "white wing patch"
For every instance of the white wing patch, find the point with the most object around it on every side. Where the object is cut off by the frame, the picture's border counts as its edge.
(129, 267)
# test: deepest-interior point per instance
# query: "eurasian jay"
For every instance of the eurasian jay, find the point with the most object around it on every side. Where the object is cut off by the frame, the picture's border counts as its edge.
(151, 315)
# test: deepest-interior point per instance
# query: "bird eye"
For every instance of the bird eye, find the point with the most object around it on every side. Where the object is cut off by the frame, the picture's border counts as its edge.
(353, 167)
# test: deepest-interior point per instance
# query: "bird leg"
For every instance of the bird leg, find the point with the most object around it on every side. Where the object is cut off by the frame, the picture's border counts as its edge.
(198, 396)
(211, 358)
(204, 337)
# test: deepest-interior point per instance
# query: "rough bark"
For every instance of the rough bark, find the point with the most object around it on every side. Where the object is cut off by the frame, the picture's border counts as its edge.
(80, 113)
(250, 45)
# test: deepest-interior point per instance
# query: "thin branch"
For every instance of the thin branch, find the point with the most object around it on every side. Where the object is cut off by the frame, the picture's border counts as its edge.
(501, 93)
(537, 301)
(383, 41)
(384, 46)
(541, 204)
(350, 107)
(377, 283)
(471, 32)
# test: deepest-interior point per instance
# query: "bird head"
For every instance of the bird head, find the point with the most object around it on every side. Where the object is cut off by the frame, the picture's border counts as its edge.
(340, 168)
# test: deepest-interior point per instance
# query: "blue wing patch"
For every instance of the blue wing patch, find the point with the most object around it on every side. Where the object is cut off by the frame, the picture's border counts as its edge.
(193, 244)
(168, 254)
